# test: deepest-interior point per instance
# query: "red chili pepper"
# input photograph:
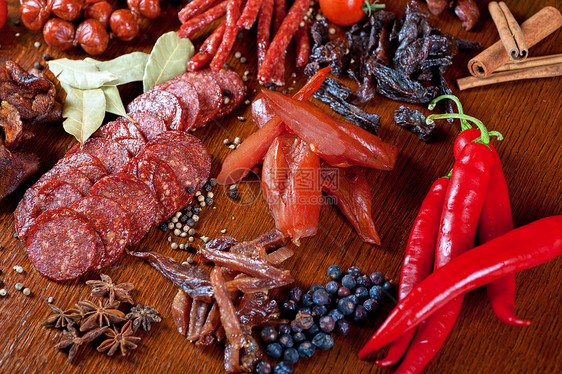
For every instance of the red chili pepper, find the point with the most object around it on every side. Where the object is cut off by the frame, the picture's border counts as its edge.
(3, 12)
(291, 186)
(239, 163)
(495, 220)
(418, 260)
(353, 195)
(520, 249)
(338, 143)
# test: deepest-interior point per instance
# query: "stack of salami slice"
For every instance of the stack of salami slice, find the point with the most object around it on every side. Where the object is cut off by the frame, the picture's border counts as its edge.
(107, 194)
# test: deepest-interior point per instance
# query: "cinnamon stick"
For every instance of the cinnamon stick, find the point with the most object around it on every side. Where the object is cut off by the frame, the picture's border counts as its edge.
(531, 62)
(539, 26)
(506, 32)
(515, 31)
(547, 71)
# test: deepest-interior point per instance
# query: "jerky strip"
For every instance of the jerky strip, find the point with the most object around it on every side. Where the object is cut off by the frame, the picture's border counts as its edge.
(196, 319)
(194, 281)
(229, 319)
(232, 358)
(211, 324)
(264, 29)
(247, 284)
(302, 39)
(270, 240)
(197, 23)
(250, 14)
(256, 309)
(181, 307)
(232, 15)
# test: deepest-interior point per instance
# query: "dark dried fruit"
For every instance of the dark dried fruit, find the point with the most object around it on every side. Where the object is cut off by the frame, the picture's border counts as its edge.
(59, 34)
(68, 10)
(34, 14)
(92, 37)
(101, 11)
(124, 25)
(414, 121)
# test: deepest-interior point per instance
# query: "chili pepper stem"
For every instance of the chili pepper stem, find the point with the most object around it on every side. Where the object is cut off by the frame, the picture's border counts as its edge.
(464, 124)
(369, 7)
(484, 134)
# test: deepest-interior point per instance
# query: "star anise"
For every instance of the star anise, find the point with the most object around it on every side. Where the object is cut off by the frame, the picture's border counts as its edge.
(143, 317)
(123, 340)
(106, 287)
(100, 315)
(72, 339)
(61, 319)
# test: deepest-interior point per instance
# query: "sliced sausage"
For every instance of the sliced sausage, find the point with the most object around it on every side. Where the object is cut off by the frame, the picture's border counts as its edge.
(90, 165)
(112, 155)
(123, 132)
(70, 175)
(232, 89)
(148, 124)
(63, 245)
(187, 95)
(135, 198)
(161, 104)
(210, 96)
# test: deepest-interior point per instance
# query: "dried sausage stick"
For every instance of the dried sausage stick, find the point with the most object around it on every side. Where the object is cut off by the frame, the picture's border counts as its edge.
(250, 14)
(195, 7)
(232, 15)
(197, 23)
(207, 50)
(282, 39)
(264, 28)
(280, 12)
(302, 39)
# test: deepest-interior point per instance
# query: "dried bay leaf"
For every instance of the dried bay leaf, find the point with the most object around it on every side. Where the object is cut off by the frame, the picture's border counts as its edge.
(128, 68)
(80, 74)
(84, 111)
(113, 102)
(167, 60)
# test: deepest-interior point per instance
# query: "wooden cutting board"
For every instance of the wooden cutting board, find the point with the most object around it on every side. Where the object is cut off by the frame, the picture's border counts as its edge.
(528, 114)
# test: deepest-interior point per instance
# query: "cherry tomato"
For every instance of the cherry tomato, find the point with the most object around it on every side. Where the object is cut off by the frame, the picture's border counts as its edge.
(3, 12)
(347, 12)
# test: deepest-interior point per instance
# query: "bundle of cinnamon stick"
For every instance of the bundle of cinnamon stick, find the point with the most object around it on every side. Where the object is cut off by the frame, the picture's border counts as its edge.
(506, 60)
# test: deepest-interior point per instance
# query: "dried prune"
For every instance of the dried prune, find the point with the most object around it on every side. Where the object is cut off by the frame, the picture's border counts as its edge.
(414, 121)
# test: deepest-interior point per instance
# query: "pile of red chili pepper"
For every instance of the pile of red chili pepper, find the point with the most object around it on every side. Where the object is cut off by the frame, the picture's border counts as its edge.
(306, 152)
(471, 202)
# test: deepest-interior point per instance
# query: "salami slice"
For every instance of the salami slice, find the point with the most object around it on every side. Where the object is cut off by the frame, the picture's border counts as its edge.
(135, 198)
(187, 95)
(149, 125)
(90, 165)
(178, 160)
(209, 93)
(232, 89)
(63, 245)
(161, 104)
(111, 223)
(193, 147)
(112, 155)
(70, 175)
(39, 198)
(162, 181)
(123, 132)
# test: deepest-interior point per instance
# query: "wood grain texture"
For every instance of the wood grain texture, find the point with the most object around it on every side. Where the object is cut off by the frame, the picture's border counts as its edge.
(528, 114)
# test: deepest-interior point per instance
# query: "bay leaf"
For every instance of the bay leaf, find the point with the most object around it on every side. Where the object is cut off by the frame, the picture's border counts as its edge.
(80, 74)
(167, 60)
(113, 102)
(128, 68)
(84, 111)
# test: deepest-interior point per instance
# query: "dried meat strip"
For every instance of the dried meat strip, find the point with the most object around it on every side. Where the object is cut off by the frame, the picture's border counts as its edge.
(187, 95)
(250, 284)
(302, 39)
(232, 88)
(112, 155)
(193, 8)
(282, 39)
(111, 223)
(63, 245)
(181, 306)
(135, 198)
(264, 29)
(279, 14)
(69, 175)
(232, 15)
(162, 104)
(194, 281)
(212, 323)
(149, 125)
(250, 355)
(228, 316)
(207, 50)
(256, 310)
(196, 319)
(250, 14)
(210, 97)
(201, 21)
(39, 198)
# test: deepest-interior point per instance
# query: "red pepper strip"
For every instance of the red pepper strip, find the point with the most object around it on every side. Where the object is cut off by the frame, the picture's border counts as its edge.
(495, 220)
(418, 260)
(291, 186)
(353, 195)
(239, 163)
(3, 12)
(520, 249)
(338, 143)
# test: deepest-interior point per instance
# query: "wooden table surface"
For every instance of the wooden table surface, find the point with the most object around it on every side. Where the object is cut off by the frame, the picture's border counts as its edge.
(527, 113)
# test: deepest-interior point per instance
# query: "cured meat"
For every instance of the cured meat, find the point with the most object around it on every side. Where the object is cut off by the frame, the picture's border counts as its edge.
(232, 14)
(85, 163)
(231, 86)
(180, 311)
(162, 181)
(63, 245)
(39, 198)
(187, 95)
(70, 175)
(112, 155)
(162, 104)
(210, 97)
(123, 132)
(194, 149)
(207, 50)
(135, 198)
(111, 223)
(178, 160)
(148, 124)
